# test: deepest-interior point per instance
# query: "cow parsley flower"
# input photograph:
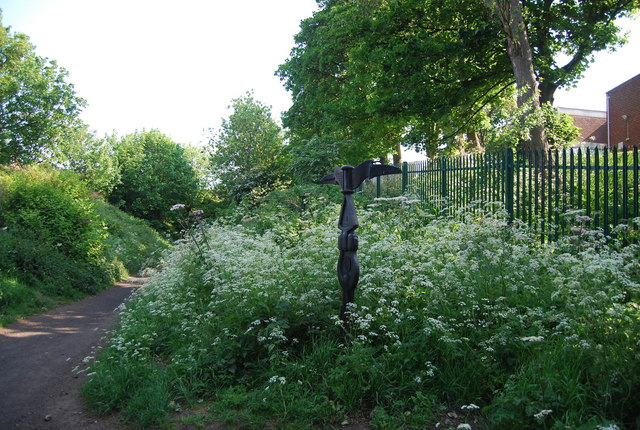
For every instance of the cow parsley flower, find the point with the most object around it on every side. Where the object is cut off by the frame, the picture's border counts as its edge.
(543, 413)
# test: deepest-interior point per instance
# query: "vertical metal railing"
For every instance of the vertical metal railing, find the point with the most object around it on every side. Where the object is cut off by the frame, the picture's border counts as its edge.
(544, 189)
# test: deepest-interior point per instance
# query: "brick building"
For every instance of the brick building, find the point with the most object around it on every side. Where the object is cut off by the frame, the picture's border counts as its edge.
(592, 125)
(618, 126)
(623, 111)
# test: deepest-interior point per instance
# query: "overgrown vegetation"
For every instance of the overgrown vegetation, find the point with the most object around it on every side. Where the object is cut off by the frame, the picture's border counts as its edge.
(247, 154)
(58, 243)
(155, 174)
(474, 317)
(471, 319)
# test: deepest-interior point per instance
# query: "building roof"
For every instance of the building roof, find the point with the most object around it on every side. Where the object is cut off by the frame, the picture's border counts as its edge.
(584, 112)
(627, 82)
(591, 123)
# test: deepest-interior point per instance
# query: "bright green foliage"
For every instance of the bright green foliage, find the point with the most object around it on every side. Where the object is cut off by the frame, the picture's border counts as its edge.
(130, 239)
(449, 314)
(559, 126)
(16, 298)
(370, 74)
(52, 242)
(38, 107)
(155, 175)
(56, 210)
(248, 156)
(198, 157)
(92, 158)
(57, 243)
(503, 126)
(312, 159)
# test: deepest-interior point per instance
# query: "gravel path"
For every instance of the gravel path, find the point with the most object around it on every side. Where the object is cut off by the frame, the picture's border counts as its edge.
(42, 368)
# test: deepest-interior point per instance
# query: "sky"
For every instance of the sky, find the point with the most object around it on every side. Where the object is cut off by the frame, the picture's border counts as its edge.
(176, 66)
(608, 70)
(170, 65)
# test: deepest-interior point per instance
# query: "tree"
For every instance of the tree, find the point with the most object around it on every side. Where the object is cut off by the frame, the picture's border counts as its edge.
(509, 14)
(577, 29)
(423, 71)
(505, 123)
(155, 175)
(574, 28)
(37, 105)
(91, 157)
(310, 160)
(248, 151)
(380, 72)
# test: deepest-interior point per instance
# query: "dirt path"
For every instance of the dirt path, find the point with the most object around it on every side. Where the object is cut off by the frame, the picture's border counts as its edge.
(41, 363)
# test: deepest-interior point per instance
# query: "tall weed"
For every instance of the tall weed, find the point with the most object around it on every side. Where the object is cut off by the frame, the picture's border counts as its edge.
(448, 314)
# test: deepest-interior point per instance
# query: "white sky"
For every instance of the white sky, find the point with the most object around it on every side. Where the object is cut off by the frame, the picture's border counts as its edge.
(170, 65)
(608, 70)
(176, 65)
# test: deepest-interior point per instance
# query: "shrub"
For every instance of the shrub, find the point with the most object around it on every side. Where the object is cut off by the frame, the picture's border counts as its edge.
(55, 242)
(131, 240)
(55, 207)
(155, 173)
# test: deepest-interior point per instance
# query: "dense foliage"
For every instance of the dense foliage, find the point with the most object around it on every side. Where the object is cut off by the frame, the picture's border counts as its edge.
(59, 243)
(155, 174)
(371, 74)
(473, 319)
(37, 106)
(248, 151)
(92, 158)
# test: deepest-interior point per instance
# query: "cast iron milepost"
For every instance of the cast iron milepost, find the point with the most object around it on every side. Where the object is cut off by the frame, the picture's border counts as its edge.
(350, 178)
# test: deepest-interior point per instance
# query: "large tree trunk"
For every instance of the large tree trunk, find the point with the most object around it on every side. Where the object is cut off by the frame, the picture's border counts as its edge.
(547, 91)
(509, 13)
(397, 157)
(475, 141)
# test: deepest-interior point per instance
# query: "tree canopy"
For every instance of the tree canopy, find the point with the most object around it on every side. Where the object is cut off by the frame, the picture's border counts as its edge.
(374, 73)
(155, 174)
(37, 106)
(248, 151)
(92, 158)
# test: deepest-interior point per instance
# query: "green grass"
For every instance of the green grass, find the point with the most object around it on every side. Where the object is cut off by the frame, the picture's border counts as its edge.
(58, 243)
(472, 316)
(130, 239)
(17, 299)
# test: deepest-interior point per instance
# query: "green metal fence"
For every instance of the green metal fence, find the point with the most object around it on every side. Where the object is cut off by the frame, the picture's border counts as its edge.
(548, 190)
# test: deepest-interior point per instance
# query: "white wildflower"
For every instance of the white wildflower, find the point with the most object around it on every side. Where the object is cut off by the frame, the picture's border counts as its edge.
(532, 338)
(543, 413)
(470, 407)
(278, 379)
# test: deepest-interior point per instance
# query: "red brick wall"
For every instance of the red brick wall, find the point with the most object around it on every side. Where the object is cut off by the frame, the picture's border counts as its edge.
(624, 100)
(591, 129)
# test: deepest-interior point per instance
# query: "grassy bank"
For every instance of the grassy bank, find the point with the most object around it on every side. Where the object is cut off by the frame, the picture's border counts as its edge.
(59, 243)
(474, 317)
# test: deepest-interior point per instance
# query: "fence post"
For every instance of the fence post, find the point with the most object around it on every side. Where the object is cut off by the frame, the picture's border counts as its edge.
(378, 186)
(443, 177)
(509, 182)
(405, 177)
